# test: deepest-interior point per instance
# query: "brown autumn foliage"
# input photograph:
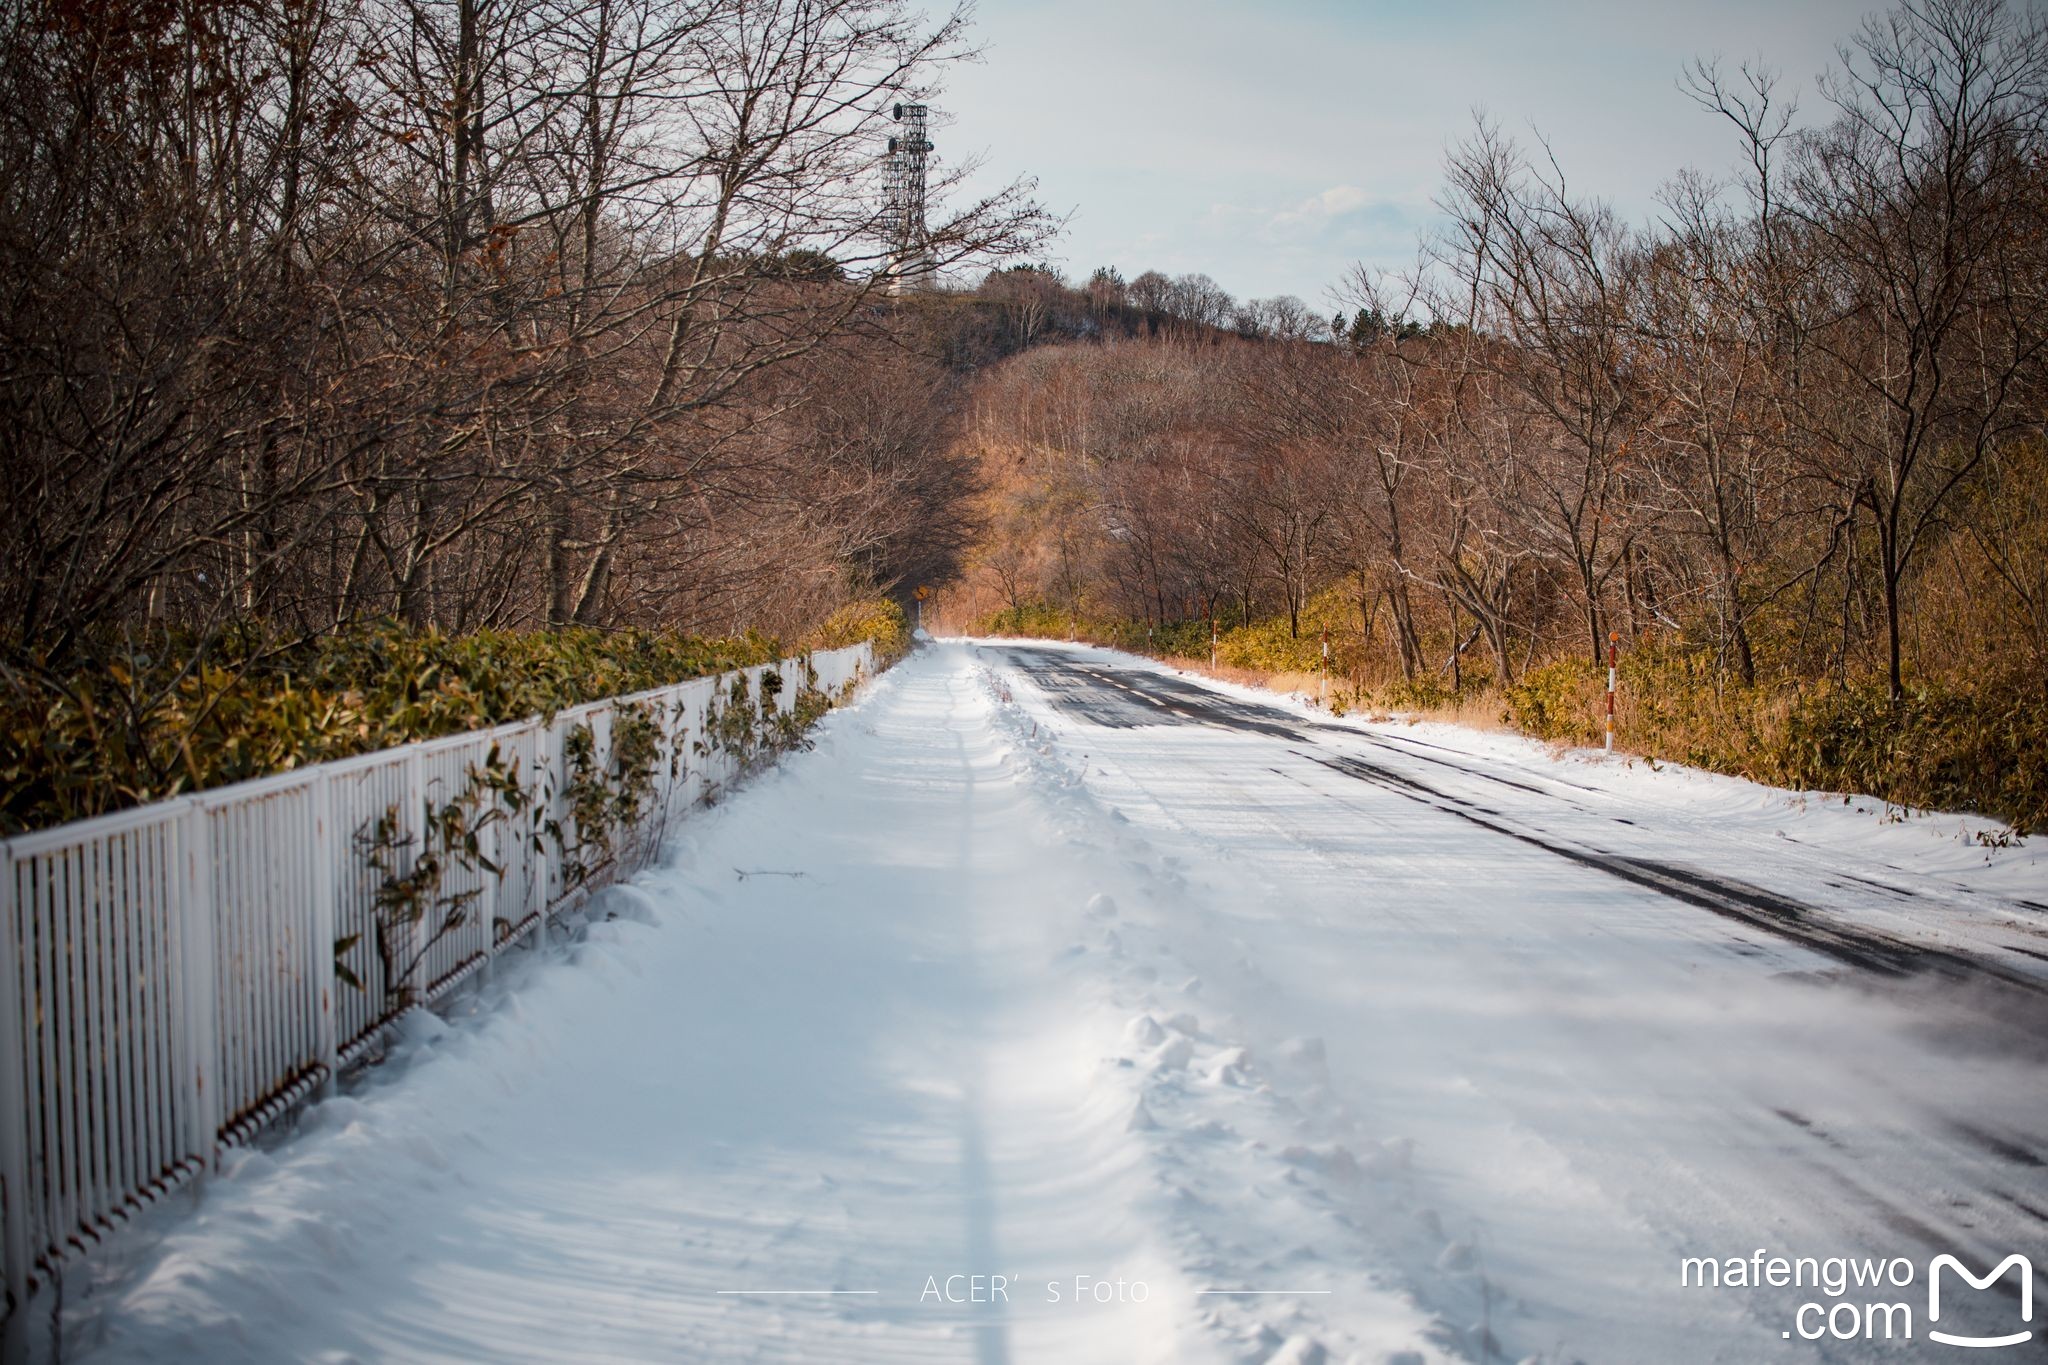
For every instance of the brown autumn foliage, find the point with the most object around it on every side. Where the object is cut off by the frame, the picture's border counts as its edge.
(1786, 443)
(464, 315)
(444, 312)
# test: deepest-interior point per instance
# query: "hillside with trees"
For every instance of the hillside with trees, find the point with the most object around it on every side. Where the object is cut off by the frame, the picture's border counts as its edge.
(1785, 443)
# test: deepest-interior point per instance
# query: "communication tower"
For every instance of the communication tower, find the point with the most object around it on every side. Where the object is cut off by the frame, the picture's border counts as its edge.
(910, 261)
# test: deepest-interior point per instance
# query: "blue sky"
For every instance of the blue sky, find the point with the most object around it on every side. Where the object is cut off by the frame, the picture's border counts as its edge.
(1272, 145)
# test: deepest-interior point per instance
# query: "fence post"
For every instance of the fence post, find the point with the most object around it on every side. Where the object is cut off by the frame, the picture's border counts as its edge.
(493, 898)
(551, 851)
(326, 869)
(14, 1112)
(415, 828)
(605, 753)
(533, 890)
(202, 1078)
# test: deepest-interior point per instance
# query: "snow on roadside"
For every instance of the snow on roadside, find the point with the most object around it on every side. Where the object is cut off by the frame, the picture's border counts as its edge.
(929, 1002)
(1597, 1079)
(1852, 826)
(1267, 1181)
(900, 1010)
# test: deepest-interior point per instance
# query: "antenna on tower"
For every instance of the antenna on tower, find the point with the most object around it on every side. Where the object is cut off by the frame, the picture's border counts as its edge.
(910, 260)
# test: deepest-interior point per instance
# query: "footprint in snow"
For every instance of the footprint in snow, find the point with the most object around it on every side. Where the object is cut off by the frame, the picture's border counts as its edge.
(1334, 1161)
(1299, 1350)
(1144, 1031)
(1232, 1066)
(1172, 1055)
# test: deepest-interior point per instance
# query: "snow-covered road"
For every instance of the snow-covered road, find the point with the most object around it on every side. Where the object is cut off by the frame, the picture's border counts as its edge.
(1063, 1008)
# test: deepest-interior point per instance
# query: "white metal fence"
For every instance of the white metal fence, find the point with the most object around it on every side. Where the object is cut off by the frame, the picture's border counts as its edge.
(175, 976)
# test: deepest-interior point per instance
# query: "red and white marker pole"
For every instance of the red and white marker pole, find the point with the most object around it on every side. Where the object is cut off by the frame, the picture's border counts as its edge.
(1613, 653)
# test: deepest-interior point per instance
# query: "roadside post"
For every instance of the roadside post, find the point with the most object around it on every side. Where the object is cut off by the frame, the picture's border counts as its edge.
(1613, 656)
(1324, 687)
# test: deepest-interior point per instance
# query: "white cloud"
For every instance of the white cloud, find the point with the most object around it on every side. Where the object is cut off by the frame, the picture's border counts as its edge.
(1315, 213)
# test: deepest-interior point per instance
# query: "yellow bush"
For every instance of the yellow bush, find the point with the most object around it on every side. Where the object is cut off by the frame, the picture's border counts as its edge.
(879, 619)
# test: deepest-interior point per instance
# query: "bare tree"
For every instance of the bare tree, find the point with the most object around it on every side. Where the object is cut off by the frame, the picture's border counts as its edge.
(1918, 211)
(1553, 276)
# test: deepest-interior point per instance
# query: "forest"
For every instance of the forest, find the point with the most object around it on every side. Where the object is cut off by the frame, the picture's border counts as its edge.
(362, 354)
(1782, 446)
(341, 331)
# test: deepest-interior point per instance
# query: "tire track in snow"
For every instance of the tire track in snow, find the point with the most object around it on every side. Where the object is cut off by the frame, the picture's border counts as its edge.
(1255, 1183)
(1879, 960)
(1865, 948)
(1860, 946)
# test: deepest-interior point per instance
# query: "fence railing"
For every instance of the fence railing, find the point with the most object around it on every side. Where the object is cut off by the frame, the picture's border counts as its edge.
(175, 976)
